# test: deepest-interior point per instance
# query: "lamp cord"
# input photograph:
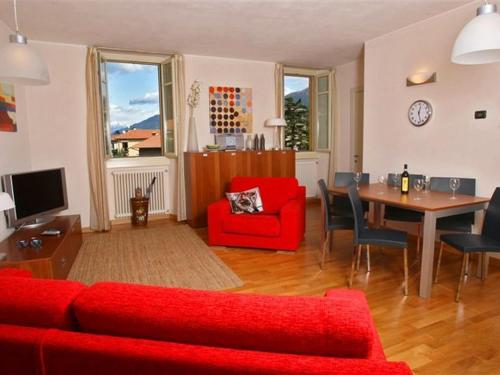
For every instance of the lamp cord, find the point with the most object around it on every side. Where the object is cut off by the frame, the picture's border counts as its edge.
(15, 16)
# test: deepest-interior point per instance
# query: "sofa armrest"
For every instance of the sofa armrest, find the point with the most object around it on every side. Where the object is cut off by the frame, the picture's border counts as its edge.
(15, 272)
(217, 211)
(302, 193)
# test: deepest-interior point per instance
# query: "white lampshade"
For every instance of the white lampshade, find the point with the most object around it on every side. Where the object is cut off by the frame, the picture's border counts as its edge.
(20, 64)
(6, 202)
(479, 40)
(275, 122)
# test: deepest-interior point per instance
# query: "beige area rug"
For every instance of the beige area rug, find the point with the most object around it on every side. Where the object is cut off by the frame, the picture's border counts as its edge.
(171, 255)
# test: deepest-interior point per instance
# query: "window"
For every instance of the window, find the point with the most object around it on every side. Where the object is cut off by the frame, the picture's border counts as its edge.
(307, 109)
(138, 110)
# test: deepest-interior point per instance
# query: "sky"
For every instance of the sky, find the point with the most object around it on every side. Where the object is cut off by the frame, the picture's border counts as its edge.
(293, 84)
(133, 92)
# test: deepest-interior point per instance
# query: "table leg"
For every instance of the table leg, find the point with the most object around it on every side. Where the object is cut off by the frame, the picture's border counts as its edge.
(376, 214)
(482, 266)
(427, 254)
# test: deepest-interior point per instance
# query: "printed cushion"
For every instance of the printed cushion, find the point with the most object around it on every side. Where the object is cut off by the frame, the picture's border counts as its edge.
(248, 201)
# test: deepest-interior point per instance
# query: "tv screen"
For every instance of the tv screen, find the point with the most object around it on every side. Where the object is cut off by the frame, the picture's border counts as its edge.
(35, 194)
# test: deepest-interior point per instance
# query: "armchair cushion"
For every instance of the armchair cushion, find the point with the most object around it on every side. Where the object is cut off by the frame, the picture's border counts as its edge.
(253, 225)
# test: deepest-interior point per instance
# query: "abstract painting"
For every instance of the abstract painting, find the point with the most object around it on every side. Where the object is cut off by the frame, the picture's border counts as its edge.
(7, 108)
(230, 110)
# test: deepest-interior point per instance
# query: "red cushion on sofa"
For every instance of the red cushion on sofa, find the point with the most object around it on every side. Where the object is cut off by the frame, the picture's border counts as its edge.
(296, 325)
(275, 192)
(14, 272)
(252, 224)
(37, 302)
(81, 354)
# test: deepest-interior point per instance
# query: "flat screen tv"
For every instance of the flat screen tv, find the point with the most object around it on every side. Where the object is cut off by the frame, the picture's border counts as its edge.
(37, 195)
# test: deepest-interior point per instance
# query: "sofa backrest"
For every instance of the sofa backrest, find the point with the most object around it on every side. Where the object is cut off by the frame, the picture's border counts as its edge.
(38, 302)
(275, 191)
(295, 325)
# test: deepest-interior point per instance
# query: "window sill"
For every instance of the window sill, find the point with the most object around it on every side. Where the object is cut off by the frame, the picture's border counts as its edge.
(137, 162)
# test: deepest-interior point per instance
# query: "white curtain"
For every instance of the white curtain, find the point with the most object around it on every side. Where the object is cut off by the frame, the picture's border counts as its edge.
(96, 155)
(279, 90)
(334, 121)
(180, 113)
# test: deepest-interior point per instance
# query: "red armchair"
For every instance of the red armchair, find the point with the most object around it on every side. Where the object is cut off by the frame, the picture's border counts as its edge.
(280, 226)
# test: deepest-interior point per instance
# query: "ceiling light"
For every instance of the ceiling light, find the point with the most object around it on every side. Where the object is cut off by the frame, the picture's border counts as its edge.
(19, 63)
(479, 40)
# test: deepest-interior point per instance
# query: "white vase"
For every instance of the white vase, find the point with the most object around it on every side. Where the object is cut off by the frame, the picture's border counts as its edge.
(192, 143)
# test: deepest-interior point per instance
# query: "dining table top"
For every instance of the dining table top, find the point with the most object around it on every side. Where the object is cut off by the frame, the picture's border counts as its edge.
(429, 200)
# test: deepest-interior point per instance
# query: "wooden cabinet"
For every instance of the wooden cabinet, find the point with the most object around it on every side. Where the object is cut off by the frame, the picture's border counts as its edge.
(57, 254)
(208, 175)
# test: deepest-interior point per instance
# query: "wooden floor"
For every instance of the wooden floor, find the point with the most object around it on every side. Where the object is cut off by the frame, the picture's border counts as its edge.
(435, 336)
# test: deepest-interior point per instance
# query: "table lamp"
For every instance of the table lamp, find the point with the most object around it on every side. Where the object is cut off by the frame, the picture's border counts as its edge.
(277, 124)
(6, 202)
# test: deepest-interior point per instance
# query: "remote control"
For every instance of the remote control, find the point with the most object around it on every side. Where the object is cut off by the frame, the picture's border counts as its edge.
(51, 232)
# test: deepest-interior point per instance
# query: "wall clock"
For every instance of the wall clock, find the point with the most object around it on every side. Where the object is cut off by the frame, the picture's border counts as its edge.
(420, 113)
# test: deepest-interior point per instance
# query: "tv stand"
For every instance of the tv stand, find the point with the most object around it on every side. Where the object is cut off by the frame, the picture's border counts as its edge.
(57, 254)
(38, 222)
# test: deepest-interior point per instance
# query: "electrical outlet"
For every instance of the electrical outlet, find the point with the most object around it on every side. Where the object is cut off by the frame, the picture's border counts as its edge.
(480, 115)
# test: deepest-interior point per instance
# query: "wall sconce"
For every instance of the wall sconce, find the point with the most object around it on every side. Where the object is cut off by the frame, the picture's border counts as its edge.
(421, 78)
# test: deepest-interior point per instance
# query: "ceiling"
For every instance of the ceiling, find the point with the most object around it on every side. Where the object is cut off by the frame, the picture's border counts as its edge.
(308, 33)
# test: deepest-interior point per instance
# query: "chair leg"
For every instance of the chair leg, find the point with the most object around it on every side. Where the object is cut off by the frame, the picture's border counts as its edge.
(405, 255)
(465, 261)
(355, 253)
(358, 259)
(483, 266)
(439, 262)
(419, 236)
(330, 247)
(368, 266)
(323, 250)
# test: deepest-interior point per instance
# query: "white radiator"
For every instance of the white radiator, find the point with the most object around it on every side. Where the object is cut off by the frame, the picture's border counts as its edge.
(125, 181)
(306, 171)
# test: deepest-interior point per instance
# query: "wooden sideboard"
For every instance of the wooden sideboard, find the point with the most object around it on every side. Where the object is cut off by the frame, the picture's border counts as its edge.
(208, 175)
(57, 254)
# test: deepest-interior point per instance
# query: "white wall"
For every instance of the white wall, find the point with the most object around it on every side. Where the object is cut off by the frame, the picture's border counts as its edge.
(214, 71)
(14, 147)
(57, 117)
(453, 143)
(349, 76)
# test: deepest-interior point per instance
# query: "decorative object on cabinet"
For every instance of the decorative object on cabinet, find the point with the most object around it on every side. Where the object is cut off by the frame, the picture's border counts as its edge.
(277, 124)
(421, 78)
(249, 143)
(230, 141)
(230, 110)
(193, 101)
(262, 143)
(479, 40)
(208, 175)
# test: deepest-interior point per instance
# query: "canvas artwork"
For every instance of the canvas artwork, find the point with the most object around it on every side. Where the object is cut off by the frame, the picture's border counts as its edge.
(7, 108)
(230, 110)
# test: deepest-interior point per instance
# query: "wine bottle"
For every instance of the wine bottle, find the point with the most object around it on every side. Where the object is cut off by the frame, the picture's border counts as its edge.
(405, 181)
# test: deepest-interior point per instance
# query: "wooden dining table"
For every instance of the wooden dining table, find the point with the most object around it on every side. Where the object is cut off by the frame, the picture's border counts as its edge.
(434, 205)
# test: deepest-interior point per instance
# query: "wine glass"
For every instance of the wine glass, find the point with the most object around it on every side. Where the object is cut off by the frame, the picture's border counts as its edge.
(381, 180)
(397, 180)
(357, 177)
(418, 185)
(427, 184)
(454, 185)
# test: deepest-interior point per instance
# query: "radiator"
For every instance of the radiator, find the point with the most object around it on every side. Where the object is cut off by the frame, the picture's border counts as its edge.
(306, 171)
(124, 183)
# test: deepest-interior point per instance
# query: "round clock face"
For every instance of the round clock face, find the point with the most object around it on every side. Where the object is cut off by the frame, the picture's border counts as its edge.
(420, 113)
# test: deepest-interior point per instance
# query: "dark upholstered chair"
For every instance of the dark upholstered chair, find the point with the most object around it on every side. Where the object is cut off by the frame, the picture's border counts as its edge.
(341, 205)
(455, 223)
(378, 237)
(330, 223)
(392, 213)
(487, 241)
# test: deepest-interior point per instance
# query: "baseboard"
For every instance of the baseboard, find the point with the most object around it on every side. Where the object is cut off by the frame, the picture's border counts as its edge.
(125, 221)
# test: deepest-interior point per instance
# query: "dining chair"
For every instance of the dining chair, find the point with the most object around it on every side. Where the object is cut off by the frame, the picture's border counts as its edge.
(392, 213)
(467, 243)
(455, 223)
(364, 236)
(341, 205)
(329, 223)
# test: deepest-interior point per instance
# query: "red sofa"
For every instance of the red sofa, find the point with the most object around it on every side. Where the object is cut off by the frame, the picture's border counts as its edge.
(280, 226)
(62, 327)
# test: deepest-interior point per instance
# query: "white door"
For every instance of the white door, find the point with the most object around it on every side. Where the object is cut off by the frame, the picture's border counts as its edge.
(357, 102)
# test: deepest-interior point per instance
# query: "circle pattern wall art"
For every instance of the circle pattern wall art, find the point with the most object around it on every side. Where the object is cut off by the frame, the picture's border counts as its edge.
(230, 110)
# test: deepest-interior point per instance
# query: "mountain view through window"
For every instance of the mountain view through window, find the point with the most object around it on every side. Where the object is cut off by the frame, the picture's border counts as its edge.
(297, 112)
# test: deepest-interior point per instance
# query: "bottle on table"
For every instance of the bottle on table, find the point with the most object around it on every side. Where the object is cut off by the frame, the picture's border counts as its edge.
(405, 180)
